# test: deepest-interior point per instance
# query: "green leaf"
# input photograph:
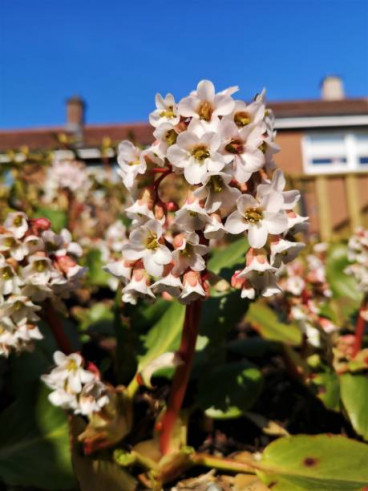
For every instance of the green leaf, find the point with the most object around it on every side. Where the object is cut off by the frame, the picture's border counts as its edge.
(264, 320)
(100, 317)
(354, 396)
(96, 275)
(321, 462)
(344, 287)
(58, 218)
(34, 444)
(225, 260)
(327, 388)
(164, 336)
(228, 391)
(96, 474)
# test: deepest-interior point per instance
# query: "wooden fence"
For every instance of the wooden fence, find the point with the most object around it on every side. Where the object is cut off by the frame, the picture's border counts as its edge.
(320, 190)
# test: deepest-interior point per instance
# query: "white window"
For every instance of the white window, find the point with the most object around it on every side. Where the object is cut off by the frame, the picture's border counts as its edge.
(335, 152)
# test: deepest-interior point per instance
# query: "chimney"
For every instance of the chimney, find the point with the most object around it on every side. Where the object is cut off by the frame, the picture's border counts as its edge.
(332, 88)
(75, 112)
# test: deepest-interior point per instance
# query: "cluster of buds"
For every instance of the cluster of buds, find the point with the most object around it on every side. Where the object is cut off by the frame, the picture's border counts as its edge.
(35, 265)
(307, 291)
(358, 256)
(74, 387)
(221, 151)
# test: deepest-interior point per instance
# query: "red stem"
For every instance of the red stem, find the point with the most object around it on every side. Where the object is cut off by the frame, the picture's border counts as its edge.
(57, 328)
(182, 373)
(359, 330)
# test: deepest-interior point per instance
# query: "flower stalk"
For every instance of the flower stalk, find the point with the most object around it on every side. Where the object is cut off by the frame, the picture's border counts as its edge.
(57, 329)
(182, 374)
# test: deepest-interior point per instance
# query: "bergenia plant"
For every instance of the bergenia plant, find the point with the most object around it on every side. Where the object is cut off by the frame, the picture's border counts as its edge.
(217, 152)
(38, 269)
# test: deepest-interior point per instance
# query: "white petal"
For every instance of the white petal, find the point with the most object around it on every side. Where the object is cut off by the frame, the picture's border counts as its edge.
(257, 235)
(235, 224)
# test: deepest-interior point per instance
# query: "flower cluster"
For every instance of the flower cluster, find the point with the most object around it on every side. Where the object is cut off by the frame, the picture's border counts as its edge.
(221, 151)
(358, 256)
(35, 264)
(307, 291)
(74, 387)
(69, 175)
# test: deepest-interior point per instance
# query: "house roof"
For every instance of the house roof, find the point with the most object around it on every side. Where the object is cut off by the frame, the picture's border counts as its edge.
(46, 138)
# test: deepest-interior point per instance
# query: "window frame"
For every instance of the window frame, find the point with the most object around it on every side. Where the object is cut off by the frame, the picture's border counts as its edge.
(351, 152)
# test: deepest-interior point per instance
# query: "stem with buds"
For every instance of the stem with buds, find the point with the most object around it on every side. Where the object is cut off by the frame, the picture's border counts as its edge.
(182, 373)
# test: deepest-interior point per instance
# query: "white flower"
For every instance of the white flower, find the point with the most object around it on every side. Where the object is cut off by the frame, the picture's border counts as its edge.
(9, 280)
(244, 114)
(144, 243)
(276, 186)
(17, 224)
(34, 244)
(196, 151)
(92, 398)
(192, 216)
(284, 251)
(218, 194)
(205, 104)
(192, 287)
(166, 111)
(259, 218)
(242, 146)
(188, 253)
(131, 163)
(215, 229)
(121, 269)
(116, 236)
(170, 284)
(20, 309)
(68, 374)
(139, 286)
(261, 276)
(13, 246)
(39, 270)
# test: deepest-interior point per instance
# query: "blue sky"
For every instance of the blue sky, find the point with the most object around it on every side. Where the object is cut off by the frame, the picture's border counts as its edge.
(118, 54)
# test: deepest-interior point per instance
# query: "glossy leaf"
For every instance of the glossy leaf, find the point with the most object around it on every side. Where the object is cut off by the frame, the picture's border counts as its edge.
(96, 275)
(327, 388)
(34, 444)
(321, 462)
(164, 336)
(224, 260)
(354, 396)
(344, 287)
(264, 320)
(228, 391)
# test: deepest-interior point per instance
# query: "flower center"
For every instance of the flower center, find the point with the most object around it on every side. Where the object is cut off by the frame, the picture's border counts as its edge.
(7, 273)
(18, 305)
(205, 110)
(72, 366)
(235, 146)
(241, 118)
(9, 242)
(168, 113)
(253, 215)
(151, 241)
(40, 266)
(216, 184)
(170, 137)
(263, 147)
(134, 162)
(201, 153)
(18, 221)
